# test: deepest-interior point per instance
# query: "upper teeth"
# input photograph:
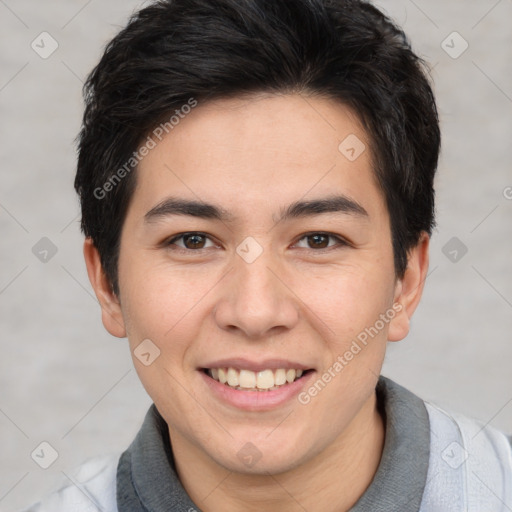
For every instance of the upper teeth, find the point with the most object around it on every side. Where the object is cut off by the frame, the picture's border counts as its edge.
(247, 379)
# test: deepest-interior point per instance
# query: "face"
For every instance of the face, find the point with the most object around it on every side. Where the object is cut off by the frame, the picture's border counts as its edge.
(256, 250)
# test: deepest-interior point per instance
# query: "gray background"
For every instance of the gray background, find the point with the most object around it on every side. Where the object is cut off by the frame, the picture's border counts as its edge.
(64, 380)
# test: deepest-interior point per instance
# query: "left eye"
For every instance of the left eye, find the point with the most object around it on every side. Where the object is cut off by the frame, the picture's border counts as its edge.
(321, 240)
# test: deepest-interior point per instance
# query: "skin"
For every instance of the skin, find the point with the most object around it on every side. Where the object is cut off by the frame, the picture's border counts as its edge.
(252, 156)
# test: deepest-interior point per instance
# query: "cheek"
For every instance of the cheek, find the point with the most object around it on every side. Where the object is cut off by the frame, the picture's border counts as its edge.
(163, 306)
(348, 300)
(159, 302)
(355, 339)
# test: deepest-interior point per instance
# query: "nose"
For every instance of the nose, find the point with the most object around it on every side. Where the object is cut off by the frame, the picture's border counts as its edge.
(256, 300)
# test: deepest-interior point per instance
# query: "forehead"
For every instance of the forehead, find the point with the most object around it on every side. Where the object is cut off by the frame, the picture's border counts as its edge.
(255, 151)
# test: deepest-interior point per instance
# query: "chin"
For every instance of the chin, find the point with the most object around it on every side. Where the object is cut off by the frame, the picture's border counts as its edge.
(261, 464)
(258, 454)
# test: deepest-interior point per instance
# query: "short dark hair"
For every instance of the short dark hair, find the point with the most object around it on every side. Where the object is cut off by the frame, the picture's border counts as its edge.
(176, 50)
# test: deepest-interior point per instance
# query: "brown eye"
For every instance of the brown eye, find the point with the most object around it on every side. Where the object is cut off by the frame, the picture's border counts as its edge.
(190, 241)
(321, 241)
(318, 241)
(193, 241)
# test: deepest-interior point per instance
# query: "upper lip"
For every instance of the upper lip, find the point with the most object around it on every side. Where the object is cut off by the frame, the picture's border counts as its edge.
(255, 366)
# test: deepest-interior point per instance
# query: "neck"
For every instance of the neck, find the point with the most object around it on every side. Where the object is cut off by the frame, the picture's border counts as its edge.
(333, 480)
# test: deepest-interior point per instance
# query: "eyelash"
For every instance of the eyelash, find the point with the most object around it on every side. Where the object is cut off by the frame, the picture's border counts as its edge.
(340, 241)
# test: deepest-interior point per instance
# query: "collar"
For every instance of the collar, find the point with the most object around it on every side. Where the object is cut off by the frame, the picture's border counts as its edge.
(147, 478)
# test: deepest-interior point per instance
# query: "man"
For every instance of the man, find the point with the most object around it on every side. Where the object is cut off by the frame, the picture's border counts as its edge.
(256, 181)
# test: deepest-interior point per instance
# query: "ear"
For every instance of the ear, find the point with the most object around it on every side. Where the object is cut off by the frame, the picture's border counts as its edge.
(408, 290)
(111, 314)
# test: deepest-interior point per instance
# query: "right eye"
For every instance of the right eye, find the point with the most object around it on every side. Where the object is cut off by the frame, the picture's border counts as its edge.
(191, 242)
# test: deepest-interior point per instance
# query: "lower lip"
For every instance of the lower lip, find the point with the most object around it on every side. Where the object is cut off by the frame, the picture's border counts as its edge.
(256, 400)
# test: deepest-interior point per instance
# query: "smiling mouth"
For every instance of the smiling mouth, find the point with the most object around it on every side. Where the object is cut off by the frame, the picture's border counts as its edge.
(247, 380)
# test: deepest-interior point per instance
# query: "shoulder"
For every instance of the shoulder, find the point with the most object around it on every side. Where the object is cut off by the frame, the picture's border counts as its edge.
(89, 488)
(478, 437)
(470, 461)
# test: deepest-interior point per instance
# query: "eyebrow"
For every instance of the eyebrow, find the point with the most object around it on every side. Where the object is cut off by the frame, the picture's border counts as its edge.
(299, 209)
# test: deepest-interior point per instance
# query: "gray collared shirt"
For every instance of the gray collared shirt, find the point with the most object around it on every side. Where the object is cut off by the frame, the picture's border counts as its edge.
(147, 478)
